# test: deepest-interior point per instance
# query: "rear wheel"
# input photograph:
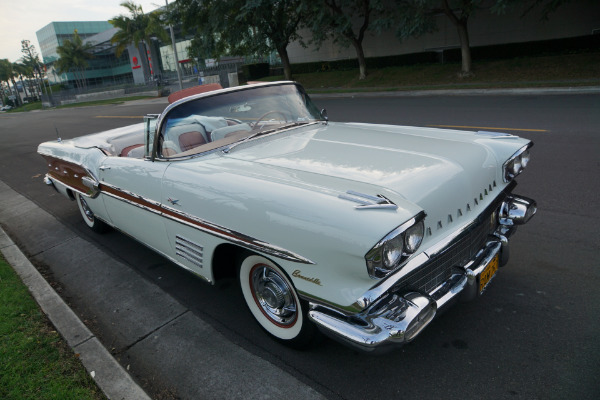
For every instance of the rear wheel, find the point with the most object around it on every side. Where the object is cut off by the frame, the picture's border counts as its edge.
(88, 215)
(273, 301)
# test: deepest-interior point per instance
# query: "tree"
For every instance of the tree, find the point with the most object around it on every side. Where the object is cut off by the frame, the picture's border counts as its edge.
(334, 19)
(31, 61)
(138, 28)
(7, 74)
(416, 17)
(73, 57)
(21, 71)
(240, 27)
(459, 16)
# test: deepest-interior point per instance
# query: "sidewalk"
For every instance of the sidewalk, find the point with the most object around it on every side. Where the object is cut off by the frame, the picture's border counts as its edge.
(166, 346)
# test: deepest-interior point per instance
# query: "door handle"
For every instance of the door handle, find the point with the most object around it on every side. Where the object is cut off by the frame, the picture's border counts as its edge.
(103, 168)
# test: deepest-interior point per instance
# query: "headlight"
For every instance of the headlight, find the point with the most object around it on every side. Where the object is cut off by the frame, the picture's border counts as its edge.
(516, 163)
(414, 237)
(387, 255)
(392, 252)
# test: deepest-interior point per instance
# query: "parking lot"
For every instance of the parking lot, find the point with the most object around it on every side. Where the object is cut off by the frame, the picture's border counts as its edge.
(531, 336)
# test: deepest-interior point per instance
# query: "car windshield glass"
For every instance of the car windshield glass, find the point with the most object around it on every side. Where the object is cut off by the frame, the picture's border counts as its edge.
(226, 118)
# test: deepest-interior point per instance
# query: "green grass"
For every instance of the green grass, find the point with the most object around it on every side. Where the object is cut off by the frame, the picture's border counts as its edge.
(582, 69)
(35, 362)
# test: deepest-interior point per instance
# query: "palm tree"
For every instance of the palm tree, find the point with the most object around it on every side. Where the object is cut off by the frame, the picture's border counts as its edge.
(32, 62)
(74, 55)
(137, 28)
(22, 71)
(7, 74)
(29, 70)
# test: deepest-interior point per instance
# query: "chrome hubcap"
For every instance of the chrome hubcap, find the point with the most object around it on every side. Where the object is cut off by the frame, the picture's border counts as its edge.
(86, 210)
(273, 295)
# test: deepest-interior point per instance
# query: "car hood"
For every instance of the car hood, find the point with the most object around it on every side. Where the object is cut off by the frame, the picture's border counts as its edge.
(443, 172)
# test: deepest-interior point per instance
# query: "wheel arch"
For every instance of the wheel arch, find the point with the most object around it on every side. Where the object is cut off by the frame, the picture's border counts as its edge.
(224, 259)
(71, 194)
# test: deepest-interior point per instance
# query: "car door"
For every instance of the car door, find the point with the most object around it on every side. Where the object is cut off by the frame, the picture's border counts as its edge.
(132, 197)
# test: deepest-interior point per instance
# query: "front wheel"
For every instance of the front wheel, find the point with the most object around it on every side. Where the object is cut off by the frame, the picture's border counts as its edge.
(273, 302)
(88, 216)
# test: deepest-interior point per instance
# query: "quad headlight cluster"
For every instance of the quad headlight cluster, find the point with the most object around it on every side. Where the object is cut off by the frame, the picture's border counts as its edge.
(516, 163)
(387, 255)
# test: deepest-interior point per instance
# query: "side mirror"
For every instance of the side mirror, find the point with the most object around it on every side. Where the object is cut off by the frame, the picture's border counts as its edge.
(324, 115)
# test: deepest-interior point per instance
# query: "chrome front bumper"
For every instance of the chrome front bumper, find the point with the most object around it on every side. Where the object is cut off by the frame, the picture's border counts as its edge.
(399, 315)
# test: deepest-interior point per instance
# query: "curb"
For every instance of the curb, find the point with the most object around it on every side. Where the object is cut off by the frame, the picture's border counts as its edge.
(108, 374)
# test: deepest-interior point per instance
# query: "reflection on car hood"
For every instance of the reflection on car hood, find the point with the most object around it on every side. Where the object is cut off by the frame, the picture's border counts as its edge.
(418, 165)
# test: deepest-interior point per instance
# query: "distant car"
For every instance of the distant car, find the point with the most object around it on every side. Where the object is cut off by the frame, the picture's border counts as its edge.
(6, 108)
(363, 231)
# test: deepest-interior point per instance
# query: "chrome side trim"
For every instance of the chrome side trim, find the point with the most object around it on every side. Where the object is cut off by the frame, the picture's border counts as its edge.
(201, 224)
(232, 236)
(87, 180)
(92, 184)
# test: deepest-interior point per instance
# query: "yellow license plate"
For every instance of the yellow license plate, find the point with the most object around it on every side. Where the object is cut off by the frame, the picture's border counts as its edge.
(488, 273)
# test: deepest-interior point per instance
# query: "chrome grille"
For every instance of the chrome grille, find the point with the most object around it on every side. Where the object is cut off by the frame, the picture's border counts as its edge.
(457, 254)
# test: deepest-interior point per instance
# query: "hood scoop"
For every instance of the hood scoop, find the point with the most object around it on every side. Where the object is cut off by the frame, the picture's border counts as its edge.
(368, 202)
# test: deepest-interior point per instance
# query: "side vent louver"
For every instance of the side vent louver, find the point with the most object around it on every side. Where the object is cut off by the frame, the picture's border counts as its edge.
(189, 250)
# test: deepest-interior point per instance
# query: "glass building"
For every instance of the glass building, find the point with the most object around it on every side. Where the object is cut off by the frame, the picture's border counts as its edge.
(103, 68)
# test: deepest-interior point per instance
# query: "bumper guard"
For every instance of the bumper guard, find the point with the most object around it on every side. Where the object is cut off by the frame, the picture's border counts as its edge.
(396, 318)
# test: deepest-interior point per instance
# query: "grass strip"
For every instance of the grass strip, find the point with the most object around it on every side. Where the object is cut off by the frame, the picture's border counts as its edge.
(35, 362)
(581, 69)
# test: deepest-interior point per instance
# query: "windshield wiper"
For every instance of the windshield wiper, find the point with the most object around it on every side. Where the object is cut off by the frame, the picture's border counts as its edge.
(261, 133)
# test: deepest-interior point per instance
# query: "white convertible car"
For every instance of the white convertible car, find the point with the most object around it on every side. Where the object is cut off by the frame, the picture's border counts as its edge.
(363, 231)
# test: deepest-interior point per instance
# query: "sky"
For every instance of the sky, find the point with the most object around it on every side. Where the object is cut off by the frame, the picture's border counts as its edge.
(20, 19)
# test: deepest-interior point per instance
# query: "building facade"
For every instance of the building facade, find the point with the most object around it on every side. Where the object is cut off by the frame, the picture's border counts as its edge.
(53, 35)
(575, 19)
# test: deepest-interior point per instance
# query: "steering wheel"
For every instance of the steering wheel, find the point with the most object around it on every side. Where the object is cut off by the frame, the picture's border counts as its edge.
(269, 113)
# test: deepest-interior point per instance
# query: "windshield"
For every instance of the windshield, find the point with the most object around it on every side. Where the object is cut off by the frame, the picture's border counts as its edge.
(210, 122)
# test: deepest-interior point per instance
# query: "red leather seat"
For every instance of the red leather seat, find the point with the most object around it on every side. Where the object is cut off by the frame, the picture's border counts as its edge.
(125, 152)
(189, 140)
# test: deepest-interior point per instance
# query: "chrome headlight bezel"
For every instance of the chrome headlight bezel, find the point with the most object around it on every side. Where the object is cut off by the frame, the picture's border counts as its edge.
(516, 163)
(396, 247)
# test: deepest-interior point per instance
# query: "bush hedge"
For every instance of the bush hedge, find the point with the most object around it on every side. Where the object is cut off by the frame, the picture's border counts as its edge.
(255, 71)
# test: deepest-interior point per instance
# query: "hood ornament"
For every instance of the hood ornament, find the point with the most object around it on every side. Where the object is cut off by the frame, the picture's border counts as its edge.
(368, 202)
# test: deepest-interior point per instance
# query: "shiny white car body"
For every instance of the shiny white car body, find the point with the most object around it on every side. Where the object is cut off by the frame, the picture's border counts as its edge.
(312, 200)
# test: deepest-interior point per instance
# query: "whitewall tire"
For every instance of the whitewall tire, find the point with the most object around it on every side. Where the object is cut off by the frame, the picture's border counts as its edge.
(88, 215)
(273, 301)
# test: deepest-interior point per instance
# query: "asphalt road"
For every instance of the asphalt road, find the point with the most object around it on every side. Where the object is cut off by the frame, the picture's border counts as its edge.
(533, 335)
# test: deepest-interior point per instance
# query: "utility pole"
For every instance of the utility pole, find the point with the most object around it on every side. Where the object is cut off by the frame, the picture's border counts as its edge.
(175, 51)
